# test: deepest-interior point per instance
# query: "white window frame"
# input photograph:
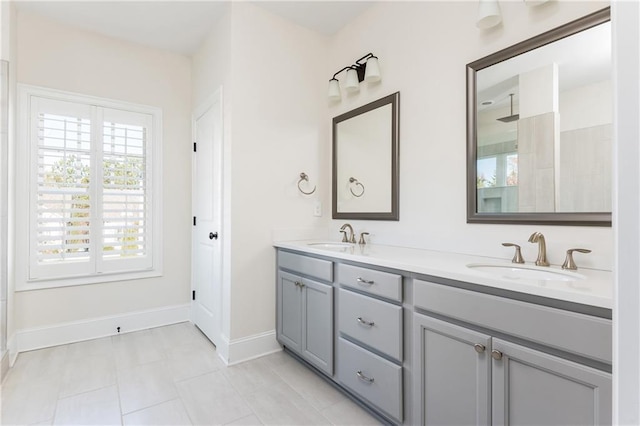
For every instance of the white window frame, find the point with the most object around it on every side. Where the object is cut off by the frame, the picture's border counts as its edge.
(26, 169)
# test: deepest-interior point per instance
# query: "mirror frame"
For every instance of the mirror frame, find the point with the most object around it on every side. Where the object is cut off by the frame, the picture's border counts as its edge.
(551, 218)
(394, 214)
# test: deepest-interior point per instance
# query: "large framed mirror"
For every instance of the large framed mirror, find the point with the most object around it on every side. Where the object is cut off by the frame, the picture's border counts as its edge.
(365, 161)
(539, 129)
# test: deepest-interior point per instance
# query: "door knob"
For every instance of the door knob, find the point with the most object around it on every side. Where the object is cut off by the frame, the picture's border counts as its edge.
(213, 235)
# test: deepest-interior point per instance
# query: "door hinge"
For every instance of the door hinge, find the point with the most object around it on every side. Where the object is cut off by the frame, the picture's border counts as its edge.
(194, 221)
(193, 295)
(194, 147)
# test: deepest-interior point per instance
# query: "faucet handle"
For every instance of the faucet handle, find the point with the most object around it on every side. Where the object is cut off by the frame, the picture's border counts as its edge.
(344, 236)
(517, 257)
(362, 240)
(568, 261)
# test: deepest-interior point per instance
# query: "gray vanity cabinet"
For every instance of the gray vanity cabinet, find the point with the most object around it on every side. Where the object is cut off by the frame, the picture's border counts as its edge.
(465, 376)
(305, 312)
(532, 387)
(454, 364)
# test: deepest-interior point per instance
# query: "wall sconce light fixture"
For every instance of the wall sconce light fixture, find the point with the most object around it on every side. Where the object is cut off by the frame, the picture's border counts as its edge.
(365, 68)
(488, 14)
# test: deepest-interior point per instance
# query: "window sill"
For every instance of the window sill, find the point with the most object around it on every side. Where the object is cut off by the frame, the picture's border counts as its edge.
(43, 284)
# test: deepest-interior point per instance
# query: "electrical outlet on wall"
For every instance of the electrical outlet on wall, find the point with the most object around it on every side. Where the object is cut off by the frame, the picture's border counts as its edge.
(317, 208)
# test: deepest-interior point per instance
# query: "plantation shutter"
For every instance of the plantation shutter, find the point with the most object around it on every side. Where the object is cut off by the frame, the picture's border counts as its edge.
(126, 190)
(62, 199)
(90, 189)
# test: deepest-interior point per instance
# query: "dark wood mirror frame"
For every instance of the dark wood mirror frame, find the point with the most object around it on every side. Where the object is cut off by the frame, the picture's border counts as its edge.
(394, 214)
(551, 218)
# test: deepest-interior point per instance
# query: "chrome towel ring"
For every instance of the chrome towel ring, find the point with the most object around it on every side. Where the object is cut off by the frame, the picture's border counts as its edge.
(357, 183)
(304, 177)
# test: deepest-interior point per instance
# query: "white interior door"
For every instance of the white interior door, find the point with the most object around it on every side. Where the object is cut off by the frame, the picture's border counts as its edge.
(207, 212)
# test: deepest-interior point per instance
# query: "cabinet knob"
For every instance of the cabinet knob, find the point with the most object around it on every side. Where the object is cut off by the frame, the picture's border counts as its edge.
(363, 322)
(298, 284)
(363, 377)
(497, 355)
(479, 348)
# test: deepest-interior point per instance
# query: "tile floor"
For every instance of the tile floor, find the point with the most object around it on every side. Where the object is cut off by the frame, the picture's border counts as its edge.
(166, 376)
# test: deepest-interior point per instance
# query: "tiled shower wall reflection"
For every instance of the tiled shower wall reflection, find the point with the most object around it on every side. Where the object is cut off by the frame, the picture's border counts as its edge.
(585, 169)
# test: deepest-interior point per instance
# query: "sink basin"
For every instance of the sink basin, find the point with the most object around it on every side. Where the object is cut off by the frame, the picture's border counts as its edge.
(330, 245)
(515, 272)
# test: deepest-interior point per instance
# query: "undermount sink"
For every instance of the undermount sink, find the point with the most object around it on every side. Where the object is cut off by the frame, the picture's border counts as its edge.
(515, 272)
(330, 245)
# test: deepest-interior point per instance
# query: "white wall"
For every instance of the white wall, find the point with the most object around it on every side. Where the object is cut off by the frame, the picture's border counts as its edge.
(626, 315)
(423, 48)
(278, 91)
(65, 58)
(7, 53)
(273, 80)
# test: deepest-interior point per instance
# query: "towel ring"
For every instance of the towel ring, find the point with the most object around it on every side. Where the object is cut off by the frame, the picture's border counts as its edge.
(354, 180)
(303, 176)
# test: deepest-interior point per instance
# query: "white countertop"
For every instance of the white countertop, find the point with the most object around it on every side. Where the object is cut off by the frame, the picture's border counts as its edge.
(591, 287)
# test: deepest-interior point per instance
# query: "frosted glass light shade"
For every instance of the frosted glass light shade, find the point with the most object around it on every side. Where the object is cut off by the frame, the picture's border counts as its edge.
(534, 2)
(352, 84)
(372, 72)
(488, 14)
(334, 90)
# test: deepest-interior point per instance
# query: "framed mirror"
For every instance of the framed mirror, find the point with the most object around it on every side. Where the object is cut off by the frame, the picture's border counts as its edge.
(539, 129)
(365, 161)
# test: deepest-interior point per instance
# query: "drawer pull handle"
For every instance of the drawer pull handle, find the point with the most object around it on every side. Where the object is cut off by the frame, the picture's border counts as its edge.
(367, 323)
(363, 281)
(363, 377)
(497, 355)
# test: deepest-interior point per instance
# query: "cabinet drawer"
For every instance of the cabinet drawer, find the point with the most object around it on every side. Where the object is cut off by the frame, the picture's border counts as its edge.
(375, 282)
(357, 312)
(569, 331)
(317, 268)
(373, 378)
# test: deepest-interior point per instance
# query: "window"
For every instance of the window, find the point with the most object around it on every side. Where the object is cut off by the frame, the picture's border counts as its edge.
(497, 170)
(93, 185)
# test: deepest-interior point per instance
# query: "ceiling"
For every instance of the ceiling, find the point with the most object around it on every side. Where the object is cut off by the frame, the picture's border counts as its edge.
(181, 25)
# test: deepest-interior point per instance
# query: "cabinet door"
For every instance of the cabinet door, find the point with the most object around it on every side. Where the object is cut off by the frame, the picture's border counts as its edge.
(452, 374)
(290, 311)
(317, 334)
(531, 387)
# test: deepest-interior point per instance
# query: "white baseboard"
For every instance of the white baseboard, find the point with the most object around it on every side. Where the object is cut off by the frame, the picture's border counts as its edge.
(247, 348)
(222, 348)
(4, 366)
(76, 331)
(12, 349)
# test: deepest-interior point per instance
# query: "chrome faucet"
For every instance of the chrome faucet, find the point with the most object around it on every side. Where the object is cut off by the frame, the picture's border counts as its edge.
(537, 237)
(351, 237)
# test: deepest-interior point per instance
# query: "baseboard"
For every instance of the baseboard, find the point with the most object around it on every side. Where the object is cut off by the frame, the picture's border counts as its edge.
(247, 348)
(4, 366)
(222, 348)
(70, 332)
(12, 349)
